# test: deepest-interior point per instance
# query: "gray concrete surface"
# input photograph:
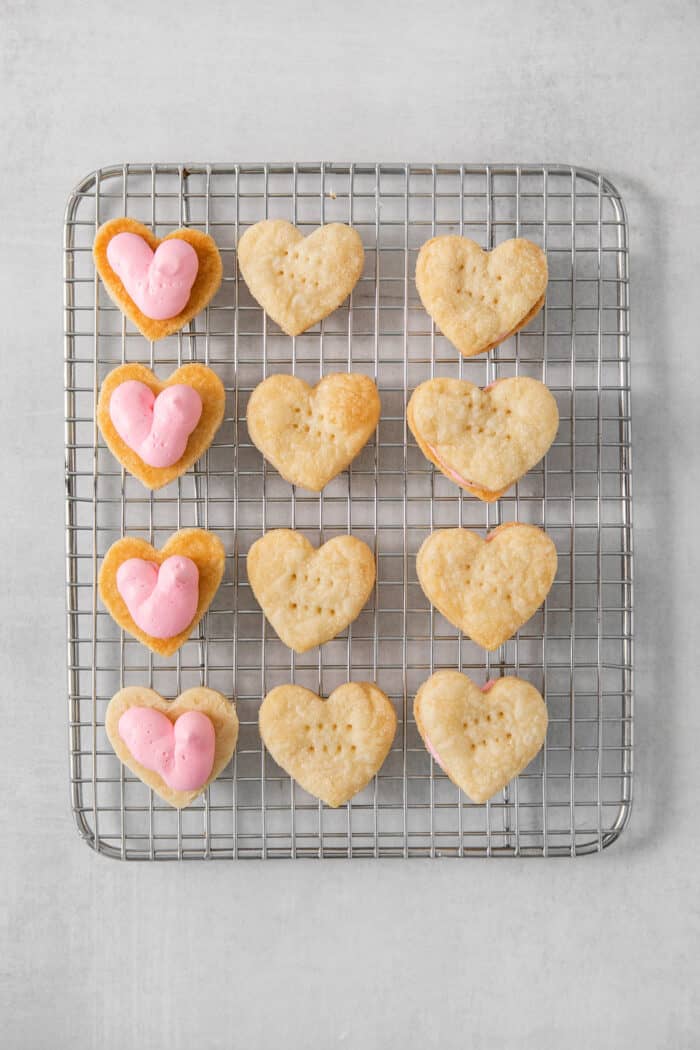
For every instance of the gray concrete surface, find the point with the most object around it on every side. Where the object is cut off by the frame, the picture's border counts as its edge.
(599, 952)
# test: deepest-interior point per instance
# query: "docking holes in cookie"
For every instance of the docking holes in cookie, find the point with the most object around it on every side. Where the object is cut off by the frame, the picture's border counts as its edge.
(310, 433)
(310, 595)
(300, 280)
(487, 588)
(332, 747)
(479, 299)
(481, 737)
(483, 440)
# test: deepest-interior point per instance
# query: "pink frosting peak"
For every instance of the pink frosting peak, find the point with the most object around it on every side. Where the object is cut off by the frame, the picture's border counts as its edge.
(162, 601)
(156, 428)
(181, 753)
(159, 282)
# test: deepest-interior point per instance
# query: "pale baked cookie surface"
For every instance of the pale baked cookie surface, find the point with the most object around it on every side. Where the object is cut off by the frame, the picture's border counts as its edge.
(300, 280)
(332, 747)
(310, 595)
(203, 548)
(478, 299)
(487, 588)
(220, 711)
(205, 287)
(483, 440)
(213, 397)
(310, 433)
(482, 738)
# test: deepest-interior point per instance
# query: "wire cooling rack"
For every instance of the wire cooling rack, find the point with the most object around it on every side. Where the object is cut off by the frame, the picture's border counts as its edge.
(575, 796)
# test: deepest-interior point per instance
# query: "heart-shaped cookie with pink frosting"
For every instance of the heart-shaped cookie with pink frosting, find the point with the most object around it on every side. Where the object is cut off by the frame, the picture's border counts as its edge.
(175, 747)
(158, 430)
(159, 596)
(481, 737)
(483, 440)
(160, 284)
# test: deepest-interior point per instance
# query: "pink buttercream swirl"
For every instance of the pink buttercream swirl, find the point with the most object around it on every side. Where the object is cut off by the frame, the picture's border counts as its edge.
(162, 601)
(159, 282)
(181, 753)
(156, 428)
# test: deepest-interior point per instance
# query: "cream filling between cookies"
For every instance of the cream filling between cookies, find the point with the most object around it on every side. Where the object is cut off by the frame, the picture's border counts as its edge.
(485, 688)
(432, 751)
(453, 473)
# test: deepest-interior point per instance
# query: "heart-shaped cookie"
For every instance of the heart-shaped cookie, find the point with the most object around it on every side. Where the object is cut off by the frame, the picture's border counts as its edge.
(484, 440)
(487, 588)
(477, 298)
(186, 751)
(310, 433)
(331, 747)
(310, 595)
(144, 424)
(300, 280)
(482, 738)
(155, 599)
(157, 280)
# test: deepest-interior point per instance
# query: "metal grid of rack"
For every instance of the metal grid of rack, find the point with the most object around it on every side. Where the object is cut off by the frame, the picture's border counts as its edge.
(575, 796)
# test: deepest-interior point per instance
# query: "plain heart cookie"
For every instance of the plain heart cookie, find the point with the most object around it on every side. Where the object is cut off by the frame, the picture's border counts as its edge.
(300, 280)
(332, 747)
(310, 595)
(310, 433)
(483, 440)
(175, 747)
(158, 430)
(481, 737)
(159, 596)
(160, 284)
(487, 588)
(479, 299)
